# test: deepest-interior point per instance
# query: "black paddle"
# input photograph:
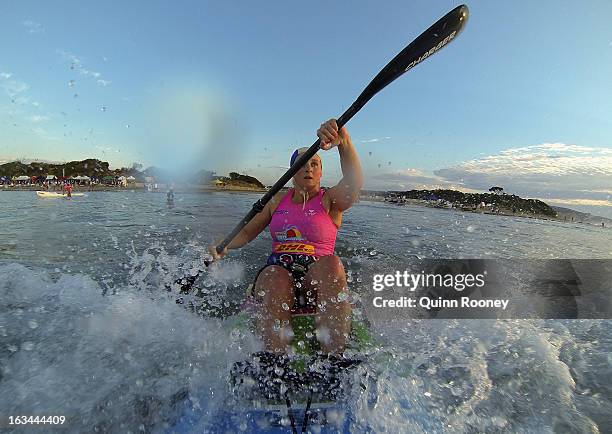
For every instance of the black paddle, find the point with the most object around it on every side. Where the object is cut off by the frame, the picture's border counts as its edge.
(428, 43)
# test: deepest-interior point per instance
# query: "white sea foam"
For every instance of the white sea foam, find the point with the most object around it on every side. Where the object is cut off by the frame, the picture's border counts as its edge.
(113, 363)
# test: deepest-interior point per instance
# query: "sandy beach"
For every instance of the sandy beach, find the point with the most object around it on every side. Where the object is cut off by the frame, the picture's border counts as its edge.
(161, 188)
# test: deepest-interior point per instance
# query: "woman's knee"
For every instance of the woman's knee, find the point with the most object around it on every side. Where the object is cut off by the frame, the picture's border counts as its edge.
(329, 267)
(274, 282)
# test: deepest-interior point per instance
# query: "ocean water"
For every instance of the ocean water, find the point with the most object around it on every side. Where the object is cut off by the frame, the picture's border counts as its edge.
(88, 329)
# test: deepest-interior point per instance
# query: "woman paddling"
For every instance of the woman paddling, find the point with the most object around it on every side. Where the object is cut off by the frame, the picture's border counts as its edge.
(302, 272)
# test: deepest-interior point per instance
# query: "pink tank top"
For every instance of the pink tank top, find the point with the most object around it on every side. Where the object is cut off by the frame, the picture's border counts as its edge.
(303, 229)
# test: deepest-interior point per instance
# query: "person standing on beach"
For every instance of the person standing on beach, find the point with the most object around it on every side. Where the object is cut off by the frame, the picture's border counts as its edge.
(303, 275)
(170, 197)
(68, 189)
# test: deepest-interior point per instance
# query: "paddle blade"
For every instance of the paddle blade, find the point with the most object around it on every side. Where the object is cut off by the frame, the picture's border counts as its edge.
(428, 43)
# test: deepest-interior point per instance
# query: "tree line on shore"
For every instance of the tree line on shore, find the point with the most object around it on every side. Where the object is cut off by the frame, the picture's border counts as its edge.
(95, 168)
(506, 202)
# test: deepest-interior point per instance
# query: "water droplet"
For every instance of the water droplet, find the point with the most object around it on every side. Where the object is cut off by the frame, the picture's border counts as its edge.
(373, 253)
(313, 282)
(103, 108)
(470, 228)
(285, 306)
(71, 83)
(278, 370)
(301, 344)
(27, 346)
(32, 324)
(457, 391)
(342, 296)
(277, 325)
(309, 335)
(12, 348)
(261, 293)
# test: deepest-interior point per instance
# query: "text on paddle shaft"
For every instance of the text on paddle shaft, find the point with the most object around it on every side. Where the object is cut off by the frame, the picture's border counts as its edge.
(441, 44)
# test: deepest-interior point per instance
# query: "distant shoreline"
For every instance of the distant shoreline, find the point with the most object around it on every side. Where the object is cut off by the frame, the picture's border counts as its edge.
(427, 204)
(163, 188)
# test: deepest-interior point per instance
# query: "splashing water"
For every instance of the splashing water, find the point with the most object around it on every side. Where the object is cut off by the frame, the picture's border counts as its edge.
(101, 338)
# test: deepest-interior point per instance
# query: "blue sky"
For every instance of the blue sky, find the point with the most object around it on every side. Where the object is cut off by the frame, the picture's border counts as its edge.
(522, 99)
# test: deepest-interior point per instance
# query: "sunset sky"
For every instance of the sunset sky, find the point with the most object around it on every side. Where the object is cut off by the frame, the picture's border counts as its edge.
(522, 99)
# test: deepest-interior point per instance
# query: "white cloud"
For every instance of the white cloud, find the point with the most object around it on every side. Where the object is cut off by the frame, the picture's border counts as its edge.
(547, 158)
(278, 167)
(374, 140)
(579, 202)
(76, 64)
(39, 118)
(40, 131)
(89, 73)
(549, 170)
(599, 191)
(410, 172)
(33, 27)
(411, 179)
(12, 87)
(107, 148)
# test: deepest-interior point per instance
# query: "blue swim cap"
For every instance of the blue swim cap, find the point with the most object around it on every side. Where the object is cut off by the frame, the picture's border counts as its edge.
(296, 154)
